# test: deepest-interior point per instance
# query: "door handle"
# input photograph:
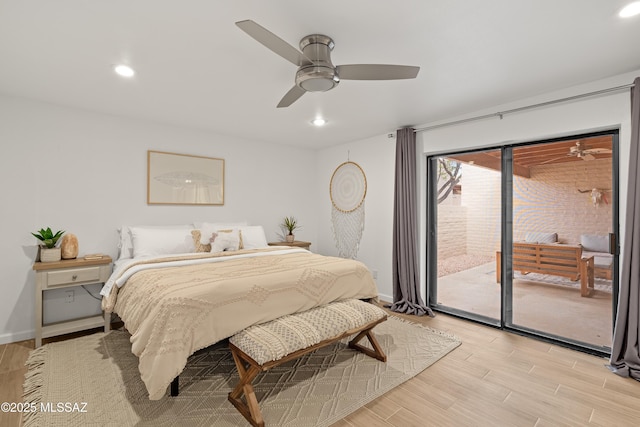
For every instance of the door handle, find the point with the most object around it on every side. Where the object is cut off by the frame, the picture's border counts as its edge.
(613, 246)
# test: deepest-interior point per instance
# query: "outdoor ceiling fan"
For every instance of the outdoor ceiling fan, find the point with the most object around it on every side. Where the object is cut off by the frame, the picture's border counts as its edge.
(581, 151)
(316, 72)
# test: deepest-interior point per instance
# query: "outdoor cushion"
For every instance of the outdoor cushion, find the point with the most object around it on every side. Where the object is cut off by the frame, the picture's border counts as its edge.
(598, 247)
(595, 243)
(540, 237)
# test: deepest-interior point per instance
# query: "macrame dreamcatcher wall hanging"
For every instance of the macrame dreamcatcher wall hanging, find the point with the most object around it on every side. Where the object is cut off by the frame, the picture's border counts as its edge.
(348, 188)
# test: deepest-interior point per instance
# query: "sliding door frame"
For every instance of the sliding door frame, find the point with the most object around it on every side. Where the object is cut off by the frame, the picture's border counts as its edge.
(506, 312)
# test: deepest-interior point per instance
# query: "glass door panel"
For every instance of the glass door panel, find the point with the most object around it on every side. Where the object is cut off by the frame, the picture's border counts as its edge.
(469, 201)
(562, 212)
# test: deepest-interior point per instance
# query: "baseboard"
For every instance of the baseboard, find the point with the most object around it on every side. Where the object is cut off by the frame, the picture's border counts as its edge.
(385, 298)
(17, 336)
(116, 323)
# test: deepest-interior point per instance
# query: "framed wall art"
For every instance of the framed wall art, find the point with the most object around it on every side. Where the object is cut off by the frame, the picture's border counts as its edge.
(181, 179)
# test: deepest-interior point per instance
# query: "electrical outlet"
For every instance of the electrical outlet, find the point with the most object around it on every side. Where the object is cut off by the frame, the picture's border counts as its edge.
(70, 296)
(374, 273)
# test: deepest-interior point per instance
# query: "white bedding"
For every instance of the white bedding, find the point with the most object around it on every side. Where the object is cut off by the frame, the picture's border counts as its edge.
(123, 264)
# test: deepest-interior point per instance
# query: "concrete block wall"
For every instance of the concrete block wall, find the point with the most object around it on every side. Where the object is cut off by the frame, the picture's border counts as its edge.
(452, 230)
(549, 201)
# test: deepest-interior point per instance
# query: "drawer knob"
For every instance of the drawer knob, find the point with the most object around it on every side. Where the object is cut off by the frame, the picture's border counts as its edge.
(74, 277)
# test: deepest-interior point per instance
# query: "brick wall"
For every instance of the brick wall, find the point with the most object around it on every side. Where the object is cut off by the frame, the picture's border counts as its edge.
(549, 201)
(452, 230)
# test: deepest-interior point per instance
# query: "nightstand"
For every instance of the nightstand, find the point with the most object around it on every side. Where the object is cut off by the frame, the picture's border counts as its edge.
(296, 243)
(65, 274)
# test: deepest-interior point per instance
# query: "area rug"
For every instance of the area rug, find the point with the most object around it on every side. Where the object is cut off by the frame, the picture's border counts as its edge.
(599, 284)
(94, 381)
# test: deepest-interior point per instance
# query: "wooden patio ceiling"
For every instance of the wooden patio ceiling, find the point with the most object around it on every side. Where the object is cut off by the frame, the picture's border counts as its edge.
(526, 157)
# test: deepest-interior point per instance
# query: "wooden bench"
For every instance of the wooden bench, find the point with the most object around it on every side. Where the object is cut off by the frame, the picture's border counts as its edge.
(554, 259)
(262, 347)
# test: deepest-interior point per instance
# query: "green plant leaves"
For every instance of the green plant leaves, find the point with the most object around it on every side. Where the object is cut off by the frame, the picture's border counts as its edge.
(47, 237)
(290, 223)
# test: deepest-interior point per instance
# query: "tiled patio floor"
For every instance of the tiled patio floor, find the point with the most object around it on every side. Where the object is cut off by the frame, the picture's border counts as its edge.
(541, 305)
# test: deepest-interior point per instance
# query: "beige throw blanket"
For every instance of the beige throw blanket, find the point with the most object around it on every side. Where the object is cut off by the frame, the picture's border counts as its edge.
(173, 312)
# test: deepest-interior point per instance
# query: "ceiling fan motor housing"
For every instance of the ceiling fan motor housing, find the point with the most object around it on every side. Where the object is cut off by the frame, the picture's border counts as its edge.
(321, 74)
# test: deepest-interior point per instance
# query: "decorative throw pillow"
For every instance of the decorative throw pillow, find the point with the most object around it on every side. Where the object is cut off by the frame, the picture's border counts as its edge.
(196, 242)
(235, 231)
(225, 241)
(211, 227)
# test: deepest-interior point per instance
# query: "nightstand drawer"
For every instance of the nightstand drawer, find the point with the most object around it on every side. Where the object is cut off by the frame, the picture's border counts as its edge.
(72, 275)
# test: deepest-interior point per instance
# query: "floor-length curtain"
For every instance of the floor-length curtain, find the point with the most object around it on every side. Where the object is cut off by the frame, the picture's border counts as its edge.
(406, 273)
(625, 352)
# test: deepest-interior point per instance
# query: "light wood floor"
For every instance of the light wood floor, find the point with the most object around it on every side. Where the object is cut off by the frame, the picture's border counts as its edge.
(493, 379)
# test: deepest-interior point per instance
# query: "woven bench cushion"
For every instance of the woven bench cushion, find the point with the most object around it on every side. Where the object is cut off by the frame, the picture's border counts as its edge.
(275, 339)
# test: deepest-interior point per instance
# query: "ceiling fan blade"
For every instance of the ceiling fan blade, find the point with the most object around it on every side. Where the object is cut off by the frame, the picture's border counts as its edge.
(376, 72)
(290, 97)
(273, 42)
(555, 159)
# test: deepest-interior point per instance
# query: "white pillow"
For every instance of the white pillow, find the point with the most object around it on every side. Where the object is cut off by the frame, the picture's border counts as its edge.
(208, 228)
(161, 241)
(253, 237)
(540, 237)
(227, 241)
(126, 243)
(221, 224)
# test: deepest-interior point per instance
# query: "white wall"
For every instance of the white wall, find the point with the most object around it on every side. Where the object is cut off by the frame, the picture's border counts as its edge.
(376, 157)
(86, 173)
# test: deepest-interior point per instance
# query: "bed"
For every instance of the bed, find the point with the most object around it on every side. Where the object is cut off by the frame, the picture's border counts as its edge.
(176, 303)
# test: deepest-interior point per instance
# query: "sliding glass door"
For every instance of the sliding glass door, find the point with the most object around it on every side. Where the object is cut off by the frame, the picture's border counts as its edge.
(467, 215)
(522, 237)
(562, 269)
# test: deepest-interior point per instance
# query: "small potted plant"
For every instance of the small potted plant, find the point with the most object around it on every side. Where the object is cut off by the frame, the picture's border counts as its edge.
(48, 250)
(290, 224)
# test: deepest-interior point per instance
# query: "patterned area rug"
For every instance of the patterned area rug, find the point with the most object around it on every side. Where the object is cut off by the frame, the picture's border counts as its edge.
(598, 283)
(97, 381)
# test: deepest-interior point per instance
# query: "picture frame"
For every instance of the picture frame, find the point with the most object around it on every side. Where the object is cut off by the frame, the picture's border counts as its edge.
(183, 179)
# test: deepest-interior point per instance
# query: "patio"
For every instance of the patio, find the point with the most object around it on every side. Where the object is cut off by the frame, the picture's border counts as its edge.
(553, 187)
(546, 303)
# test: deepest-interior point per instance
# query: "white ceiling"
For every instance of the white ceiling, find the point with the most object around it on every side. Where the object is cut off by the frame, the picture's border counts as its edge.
(195, 68)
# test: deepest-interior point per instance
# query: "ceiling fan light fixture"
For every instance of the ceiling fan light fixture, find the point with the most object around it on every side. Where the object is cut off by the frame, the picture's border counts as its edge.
(124, 70)
(317, 78)
(632, 9)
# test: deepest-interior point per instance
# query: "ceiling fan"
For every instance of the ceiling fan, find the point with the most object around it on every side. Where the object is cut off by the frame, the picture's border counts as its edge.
(581, 151)
(316, 72)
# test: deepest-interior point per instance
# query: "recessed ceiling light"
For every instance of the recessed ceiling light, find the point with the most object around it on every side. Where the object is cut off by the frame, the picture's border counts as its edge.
(319, 122)
(632, 9)
(124, 70)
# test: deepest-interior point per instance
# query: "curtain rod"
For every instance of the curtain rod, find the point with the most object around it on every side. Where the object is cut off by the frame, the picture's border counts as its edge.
(500, 114)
